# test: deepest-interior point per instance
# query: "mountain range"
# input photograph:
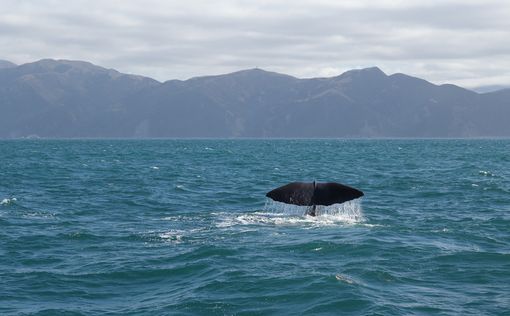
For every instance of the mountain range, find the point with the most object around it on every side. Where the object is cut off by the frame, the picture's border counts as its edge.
(68, 99)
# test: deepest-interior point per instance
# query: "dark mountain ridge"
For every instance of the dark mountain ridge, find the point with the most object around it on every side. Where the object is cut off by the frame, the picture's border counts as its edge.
(60, 98)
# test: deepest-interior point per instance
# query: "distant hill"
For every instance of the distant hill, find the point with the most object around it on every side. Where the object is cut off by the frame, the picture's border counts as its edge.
(59, 98)
(490, 88)
(6, 64)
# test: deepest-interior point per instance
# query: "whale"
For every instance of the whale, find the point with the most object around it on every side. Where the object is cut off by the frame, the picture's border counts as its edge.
(314, 193)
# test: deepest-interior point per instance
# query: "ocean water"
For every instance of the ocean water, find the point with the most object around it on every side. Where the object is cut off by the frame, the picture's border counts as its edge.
(183, 227)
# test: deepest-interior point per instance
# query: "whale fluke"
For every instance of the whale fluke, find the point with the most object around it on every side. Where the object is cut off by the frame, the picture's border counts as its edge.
(312, 194)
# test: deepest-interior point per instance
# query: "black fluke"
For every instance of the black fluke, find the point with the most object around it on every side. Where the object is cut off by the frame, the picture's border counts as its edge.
(312, 194)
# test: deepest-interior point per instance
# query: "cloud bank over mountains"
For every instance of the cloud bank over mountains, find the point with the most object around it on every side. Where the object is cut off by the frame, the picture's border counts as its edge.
(461, 42)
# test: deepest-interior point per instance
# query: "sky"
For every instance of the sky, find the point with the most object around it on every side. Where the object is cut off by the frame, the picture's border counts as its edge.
(463, 42)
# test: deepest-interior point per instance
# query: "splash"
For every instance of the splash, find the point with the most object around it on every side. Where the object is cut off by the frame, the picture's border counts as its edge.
(350, 212)
(281, 214)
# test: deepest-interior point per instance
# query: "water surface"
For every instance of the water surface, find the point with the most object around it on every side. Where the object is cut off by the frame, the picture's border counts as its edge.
(158, 227)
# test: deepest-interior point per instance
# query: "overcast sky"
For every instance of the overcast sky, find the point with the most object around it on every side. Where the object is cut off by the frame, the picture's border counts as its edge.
(464, 42)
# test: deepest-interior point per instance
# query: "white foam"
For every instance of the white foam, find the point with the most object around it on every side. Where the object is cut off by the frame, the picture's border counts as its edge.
(173, 236)
(39, 215)
(486, 173)
(176, 236)
(454, 247)
(344, 278)
(8, 201)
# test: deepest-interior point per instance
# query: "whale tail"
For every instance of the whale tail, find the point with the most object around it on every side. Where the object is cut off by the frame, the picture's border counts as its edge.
(313, 194)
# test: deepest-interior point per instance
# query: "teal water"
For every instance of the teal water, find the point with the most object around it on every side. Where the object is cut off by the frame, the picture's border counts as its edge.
(182, 227)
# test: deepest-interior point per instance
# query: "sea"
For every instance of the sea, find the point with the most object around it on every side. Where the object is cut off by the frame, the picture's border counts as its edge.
(183, 227)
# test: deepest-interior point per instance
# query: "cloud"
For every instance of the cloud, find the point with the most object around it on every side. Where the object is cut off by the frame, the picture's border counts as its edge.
(463, 42)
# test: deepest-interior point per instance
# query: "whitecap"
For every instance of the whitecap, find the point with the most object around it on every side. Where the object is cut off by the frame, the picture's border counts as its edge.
(8, 201)
(38, 215)
(454, 247)
(344, 278)
(173, 236)
(177, 235)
